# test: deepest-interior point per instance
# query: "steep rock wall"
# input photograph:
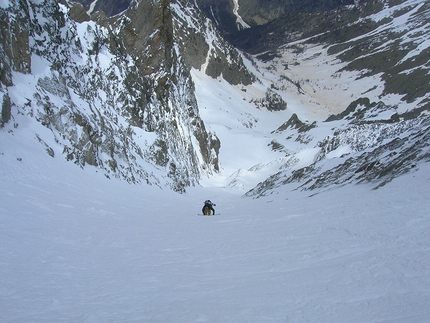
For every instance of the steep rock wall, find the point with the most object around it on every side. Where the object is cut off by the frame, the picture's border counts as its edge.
(116, 93)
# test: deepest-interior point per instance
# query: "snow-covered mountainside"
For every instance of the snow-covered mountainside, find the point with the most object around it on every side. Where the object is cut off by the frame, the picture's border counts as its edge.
(359, 91)
(114, 93)
(105, 116)
(75, 247)
(329, 98)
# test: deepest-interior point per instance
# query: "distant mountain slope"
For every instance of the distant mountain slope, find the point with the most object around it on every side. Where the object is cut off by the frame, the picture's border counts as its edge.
(378, 39)
(234, 15)
(373, 63)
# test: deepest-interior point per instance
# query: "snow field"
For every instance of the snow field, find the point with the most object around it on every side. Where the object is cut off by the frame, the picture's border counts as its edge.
(76, 246)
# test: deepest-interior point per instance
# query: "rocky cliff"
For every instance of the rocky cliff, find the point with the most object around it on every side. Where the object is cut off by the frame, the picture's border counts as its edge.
(115, 92)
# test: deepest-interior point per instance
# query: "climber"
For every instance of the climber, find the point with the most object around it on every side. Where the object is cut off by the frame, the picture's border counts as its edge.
(208, 208)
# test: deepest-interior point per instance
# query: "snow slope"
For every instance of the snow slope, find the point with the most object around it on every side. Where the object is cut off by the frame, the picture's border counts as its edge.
(77, 247)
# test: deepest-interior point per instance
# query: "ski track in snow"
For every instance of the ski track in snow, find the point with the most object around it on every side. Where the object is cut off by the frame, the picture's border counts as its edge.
(76, 247)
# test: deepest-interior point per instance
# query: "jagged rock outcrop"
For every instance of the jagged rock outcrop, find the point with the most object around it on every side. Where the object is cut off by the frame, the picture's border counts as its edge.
(373, 146)
(109, 7)
(78, 14)
(272, 101)
(202, 46)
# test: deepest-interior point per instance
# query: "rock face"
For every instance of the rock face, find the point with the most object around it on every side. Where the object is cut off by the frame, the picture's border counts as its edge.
(109, 7)
(116, 92)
